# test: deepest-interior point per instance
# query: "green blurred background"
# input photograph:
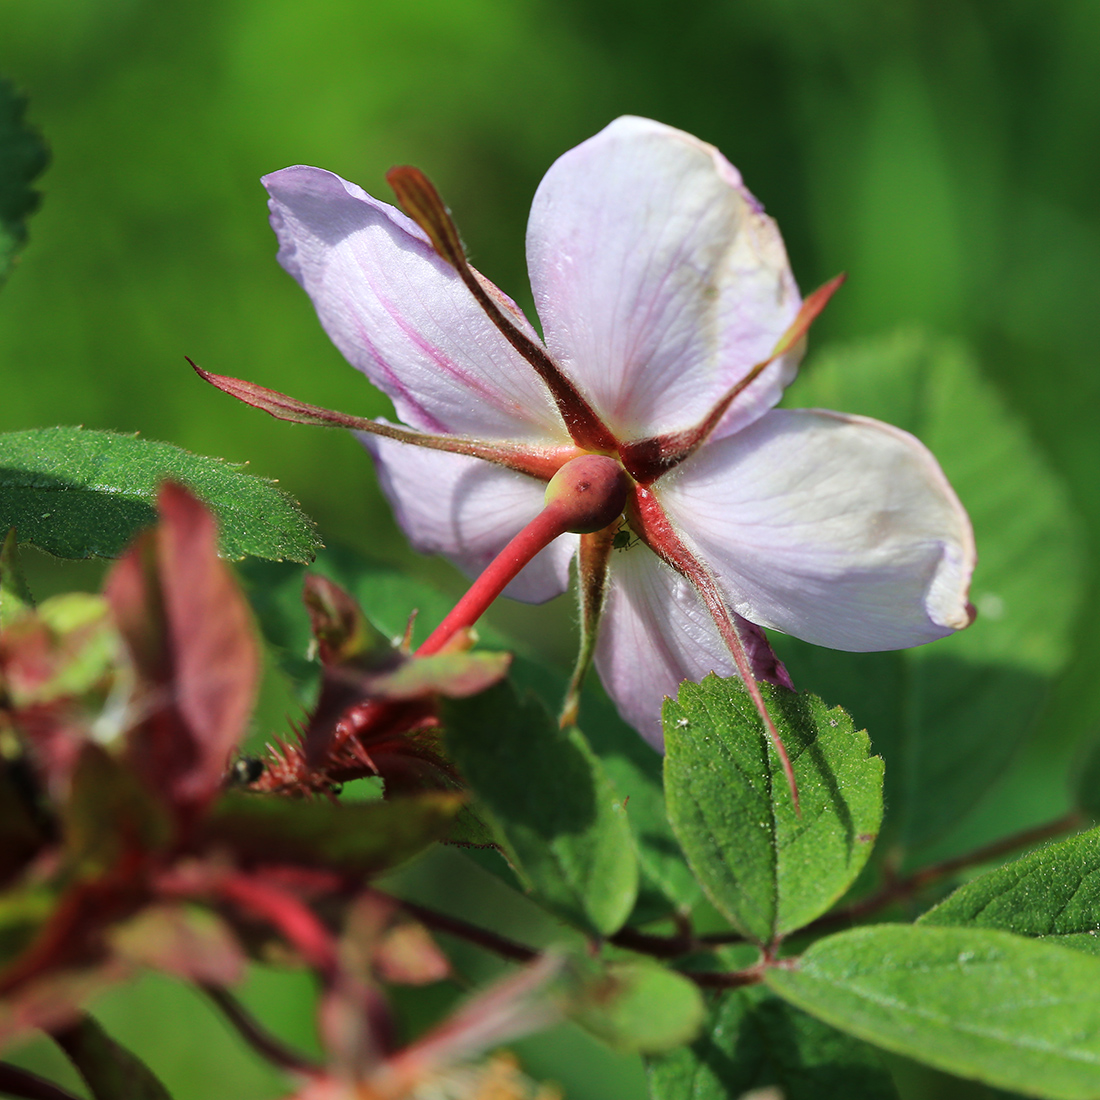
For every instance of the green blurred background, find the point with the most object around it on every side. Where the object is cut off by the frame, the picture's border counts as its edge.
(944, 152)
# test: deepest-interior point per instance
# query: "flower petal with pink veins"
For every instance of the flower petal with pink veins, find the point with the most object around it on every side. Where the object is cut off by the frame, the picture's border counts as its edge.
(659, 280)
(402, 315)
(839, 530)
(654, 634)
(468, 510)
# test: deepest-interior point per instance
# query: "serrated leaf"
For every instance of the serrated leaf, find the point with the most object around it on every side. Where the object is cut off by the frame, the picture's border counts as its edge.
(948, 717)
(769, 870)
(642, 1006)
(976, 1002)
(23, 155)
(1051, 892)
(359, 838)
(753, 1040)
(558, 816)
(80, 494)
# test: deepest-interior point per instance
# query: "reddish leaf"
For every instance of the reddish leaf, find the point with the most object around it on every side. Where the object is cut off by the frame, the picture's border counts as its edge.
(344, 634)
(189, 630)
(191, 943)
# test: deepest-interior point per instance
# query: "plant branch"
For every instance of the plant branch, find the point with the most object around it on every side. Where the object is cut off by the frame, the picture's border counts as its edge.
(440, 922)
(253, 1033)
(901, 889)
(29, 1086)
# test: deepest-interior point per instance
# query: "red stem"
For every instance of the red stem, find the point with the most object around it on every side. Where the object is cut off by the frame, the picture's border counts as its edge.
(552, 521)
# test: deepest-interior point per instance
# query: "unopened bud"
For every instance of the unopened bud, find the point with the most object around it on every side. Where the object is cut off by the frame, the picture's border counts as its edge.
(591, 491)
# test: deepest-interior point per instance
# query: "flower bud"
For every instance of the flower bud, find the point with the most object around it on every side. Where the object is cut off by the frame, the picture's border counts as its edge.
(592, 492)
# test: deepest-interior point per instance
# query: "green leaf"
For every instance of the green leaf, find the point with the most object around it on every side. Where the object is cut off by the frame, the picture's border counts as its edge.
(561, 821)
(753, 1040)
(359, 838)
(976, 1002)
(23, 155)
(769, 870)
(15, 596)
(111, 1071)
(666, 882)
(82, 494)
(949, 716)
(635, 1005)
(1051, 892)
(1087, 784)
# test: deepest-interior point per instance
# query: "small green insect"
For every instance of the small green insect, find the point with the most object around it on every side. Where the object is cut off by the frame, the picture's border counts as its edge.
(624, 538)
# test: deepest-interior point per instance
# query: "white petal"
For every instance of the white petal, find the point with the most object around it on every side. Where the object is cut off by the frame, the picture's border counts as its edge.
(840, 530)
(658, 278)
(468, 510)
(401, 314)
(654, 633)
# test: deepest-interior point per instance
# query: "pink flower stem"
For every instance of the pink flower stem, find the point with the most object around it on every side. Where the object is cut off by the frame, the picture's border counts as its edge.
(554, 520)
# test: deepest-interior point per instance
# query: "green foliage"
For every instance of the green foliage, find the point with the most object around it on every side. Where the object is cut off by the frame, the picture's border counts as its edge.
(560, 820)
(948, 717)
(753, 1040)
(23, 155)
(769, 869)
(357, 838)
(15, 596)
(110, 1070)
(81, 494)
(639, 1005)
(976, 1002)
(1051, 893)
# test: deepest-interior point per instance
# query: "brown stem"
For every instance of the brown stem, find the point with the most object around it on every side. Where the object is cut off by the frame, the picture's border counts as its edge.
(29, 1086)
(901, 889)
(499, 945)
(736, 979)
(249, 1028)
(660, 947)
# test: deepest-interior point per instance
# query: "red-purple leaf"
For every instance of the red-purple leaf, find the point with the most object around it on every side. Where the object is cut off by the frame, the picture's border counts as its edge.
(191, 943)
(189, 630)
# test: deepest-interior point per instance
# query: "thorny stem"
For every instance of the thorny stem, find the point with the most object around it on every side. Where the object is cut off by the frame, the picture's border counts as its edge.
(264, 1044)
(15, 1081)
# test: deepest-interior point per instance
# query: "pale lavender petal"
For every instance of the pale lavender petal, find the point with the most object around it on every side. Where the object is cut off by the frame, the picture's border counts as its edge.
(840, 530)
(659, 280)
(654, 633)
(468, 510)
(402, 315)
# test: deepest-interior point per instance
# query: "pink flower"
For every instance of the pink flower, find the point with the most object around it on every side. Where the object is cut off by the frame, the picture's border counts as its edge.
(671, 324)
